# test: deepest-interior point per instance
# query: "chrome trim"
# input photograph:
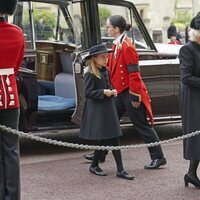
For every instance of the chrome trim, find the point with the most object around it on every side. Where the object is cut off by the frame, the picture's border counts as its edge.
(159, 62)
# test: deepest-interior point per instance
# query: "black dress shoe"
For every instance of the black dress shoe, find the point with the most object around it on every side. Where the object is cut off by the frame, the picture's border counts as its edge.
(125, 175)
(155, 164)
(192, 180)
(97, 171)
(91, 156)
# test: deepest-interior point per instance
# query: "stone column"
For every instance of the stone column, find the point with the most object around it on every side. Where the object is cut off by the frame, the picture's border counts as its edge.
(166, 24)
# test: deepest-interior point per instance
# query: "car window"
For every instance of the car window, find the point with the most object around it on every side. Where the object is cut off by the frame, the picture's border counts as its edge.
(22, 19)
(45, 20)
(134, 34)
(74, 10)
(51, 22)
(54, 23)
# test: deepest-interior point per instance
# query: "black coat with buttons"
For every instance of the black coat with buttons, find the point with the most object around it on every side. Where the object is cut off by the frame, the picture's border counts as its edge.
(190, 97)
(99, 117)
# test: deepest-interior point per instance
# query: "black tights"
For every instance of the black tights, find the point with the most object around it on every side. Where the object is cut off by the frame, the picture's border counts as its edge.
(193, 168)
(116, 153)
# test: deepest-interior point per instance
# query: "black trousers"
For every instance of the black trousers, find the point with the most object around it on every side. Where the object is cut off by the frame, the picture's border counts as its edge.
(138, 116)
(9, 157)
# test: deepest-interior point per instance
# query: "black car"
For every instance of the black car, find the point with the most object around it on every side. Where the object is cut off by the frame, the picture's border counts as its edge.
(58, 34)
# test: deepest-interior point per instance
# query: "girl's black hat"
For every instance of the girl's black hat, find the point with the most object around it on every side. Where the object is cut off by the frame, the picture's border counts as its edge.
(97, 49)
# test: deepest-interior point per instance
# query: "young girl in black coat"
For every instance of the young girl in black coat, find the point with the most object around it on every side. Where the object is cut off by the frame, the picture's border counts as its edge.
(99, 119)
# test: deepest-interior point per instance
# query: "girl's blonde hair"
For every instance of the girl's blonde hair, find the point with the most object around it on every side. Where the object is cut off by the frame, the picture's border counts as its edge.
(194, 35)
(93, 67)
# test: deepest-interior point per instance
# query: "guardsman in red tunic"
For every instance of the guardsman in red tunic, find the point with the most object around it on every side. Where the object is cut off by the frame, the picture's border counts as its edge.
(11, 55)
(132, 93)
(173, 36)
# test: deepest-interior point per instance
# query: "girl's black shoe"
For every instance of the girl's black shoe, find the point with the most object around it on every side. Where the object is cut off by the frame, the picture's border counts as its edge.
(192, 180)
(97, 170)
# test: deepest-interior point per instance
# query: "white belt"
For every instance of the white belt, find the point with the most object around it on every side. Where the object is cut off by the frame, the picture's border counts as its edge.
(6, 71)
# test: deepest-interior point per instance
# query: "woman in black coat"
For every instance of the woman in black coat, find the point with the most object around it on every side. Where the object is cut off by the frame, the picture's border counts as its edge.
(190, 99)
(99, 119)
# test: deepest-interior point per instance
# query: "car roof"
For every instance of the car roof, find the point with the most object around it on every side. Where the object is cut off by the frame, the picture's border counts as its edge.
(168, 48)
(48, 1)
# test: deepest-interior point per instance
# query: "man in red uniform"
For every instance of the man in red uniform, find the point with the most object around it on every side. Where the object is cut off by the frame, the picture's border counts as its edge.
(11, 55)
(132, 95)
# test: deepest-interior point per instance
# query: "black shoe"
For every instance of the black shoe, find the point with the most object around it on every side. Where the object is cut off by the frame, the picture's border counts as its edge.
(155, 164)
(192, 180)
(125, 175)
(98, 171)
(91, 156)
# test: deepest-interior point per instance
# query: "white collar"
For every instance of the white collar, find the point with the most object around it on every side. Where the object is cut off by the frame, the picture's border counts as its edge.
(118, 39)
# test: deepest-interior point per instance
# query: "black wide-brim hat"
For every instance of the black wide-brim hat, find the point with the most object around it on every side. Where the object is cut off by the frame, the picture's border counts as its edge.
(195, 22)
(97, 49)
(8, 6)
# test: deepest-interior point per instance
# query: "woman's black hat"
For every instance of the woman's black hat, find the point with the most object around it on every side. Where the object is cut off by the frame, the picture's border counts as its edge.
(97, 49)
(8, 6)
(195, 22)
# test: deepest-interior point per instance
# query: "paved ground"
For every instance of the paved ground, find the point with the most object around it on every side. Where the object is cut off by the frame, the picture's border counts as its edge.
(64, 175)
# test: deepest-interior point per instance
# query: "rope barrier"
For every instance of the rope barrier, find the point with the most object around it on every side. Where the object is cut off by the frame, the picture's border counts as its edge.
(92, 147)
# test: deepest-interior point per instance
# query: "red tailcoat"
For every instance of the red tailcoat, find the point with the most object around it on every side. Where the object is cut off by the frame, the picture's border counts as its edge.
(125, 73)
(12, 47)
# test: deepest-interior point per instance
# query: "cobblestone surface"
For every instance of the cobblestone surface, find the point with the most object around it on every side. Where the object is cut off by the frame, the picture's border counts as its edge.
(65, 176)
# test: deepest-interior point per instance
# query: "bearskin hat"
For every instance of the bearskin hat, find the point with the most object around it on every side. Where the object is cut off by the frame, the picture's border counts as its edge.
(171, 31)
(195, 22)
(7, 6)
